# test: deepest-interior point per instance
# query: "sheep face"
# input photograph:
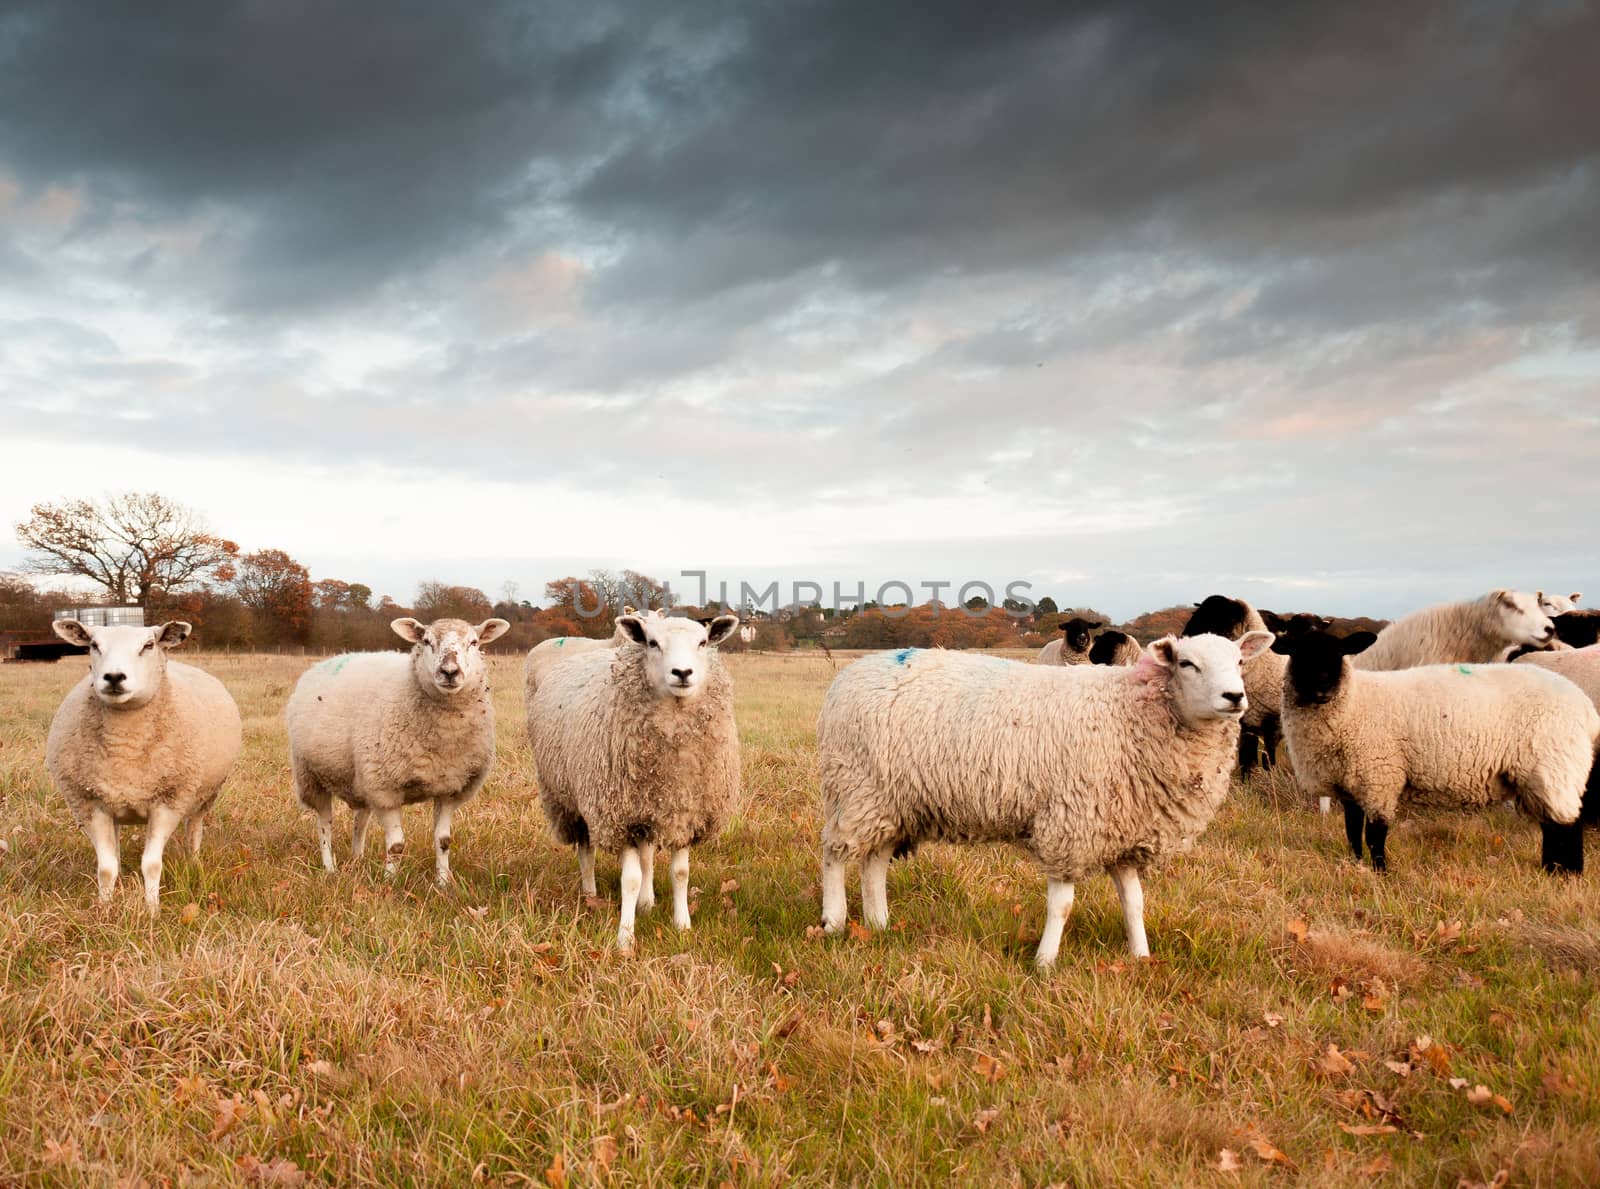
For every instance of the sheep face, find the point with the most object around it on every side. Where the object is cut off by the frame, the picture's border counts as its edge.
(447, 654)
(1319, 664)
(1579, 629)
(1077, 632)
(1203, 678)
(1522, 620)
(675, 649)
(127, 665)
(1218, 615)
(1557, 604)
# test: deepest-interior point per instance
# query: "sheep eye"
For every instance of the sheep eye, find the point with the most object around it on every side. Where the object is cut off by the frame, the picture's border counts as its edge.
(702, 644)
(1189, 665)
(148, 645)
(656, 646)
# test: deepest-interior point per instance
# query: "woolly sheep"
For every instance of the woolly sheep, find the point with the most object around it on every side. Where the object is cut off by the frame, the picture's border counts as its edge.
(140, 739)
(1557, 604)
(1458, 736)
(1115, 648)
(1073, 646)
(382, 730)
(636, 748)
(1476, 631)
(1088, 769)
(1581, 666)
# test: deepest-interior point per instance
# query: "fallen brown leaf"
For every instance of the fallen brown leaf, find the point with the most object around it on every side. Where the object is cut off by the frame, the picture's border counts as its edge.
(271, 1172)
(1332, 1063)
(1298, 929)
(229, 1113)
(984, 1119)
(989, 1068)
(605, 1151)
(729, 886)
(1270, 1154)
(1379, 1165)
(190, 913)
(1228, 1161)
(556, 1175)
(1402, 1068)
(65, 1152)
(1368, 1129)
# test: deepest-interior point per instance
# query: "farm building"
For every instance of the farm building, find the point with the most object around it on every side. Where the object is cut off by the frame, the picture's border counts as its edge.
(36, 645)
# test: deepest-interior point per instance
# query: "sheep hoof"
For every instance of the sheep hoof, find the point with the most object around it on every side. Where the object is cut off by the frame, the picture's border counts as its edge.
(682, 923)
(1045, 965)
(833, 927)
(625, 940)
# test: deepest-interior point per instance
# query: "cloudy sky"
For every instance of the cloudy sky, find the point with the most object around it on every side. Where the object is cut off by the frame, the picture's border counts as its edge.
(1134, 304)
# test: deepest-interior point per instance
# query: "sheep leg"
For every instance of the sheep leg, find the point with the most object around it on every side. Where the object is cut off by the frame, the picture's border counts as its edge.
(586, 869)
(647, 876)
(875, 888)
(163, 821)
(324, 811)
(1325, 805)
(102, 833)
(1562, 849)
(1377, 836)
(443, 809)
(358, 832)
(394, 841)
(1355, 821)
(835, 909)
(1057, 908)
(632, 879)
(680, 887)
(1131, 892)
(1271, 732)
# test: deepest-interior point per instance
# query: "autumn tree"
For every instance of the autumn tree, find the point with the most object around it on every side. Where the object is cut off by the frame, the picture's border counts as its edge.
(277, 589)
(137, 546)
(435, 600)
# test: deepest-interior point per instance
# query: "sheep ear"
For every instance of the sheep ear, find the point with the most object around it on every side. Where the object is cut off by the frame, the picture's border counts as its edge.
(721, 628)
(1286, 645)
(173, 633)
(1273, 620)
(1358, 642)
(633, 627)
(1575, 595)
(409, 630)
(1164, 652)
(1507, 598)
(1253, 644)
(73, 632)
(492, 629)
(629, 609)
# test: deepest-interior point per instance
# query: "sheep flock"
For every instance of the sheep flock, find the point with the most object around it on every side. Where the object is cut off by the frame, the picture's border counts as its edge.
(1101, 755)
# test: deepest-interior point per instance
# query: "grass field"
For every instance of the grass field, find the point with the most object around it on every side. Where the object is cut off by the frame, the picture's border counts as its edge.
(278, 1024)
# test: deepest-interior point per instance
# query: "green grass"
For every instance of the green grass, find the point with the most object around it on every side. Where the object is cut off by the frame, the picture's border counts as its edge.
(382, 1035)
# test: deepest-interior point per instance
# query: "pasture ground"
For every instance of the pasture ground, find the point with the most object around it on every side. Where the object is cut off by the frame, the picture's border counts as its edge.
(278, 1024)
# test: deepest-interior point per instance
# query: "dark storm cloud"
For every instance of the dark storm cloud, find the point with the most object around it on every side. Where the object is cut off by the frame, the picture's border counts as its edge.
(725, 145)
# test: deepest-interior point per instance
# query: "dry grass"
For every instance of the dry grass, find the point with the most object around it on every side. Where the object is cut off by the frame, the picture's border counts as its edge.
(389, 1035)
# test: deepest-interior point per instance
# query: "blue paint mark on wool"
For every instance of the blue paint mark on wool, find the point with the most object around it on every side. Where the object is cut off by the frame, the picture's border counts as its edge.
(334, 664)
(903, 655)
(1467, 669)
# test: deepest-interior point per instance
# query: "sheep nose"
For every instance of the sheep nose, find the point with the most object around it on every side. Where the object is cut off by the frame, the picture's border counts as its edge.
(683, 675)
(450, 672)
(113, 678)
(1234, 696)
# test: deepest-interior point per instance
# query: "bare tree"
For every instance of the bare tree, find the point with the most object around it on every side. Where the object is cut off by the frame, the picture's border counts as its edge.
(137, 546)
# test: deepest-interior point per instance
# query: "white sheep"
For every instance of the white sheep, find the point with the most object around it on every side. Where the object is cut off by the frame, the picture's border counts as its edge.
(1558, 604)
(1581, 666)
(1457, 736)
(635, 749)
(382, 730)
(140, 739)
(1472, 632)
(1073, 646)
(1090, 768)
